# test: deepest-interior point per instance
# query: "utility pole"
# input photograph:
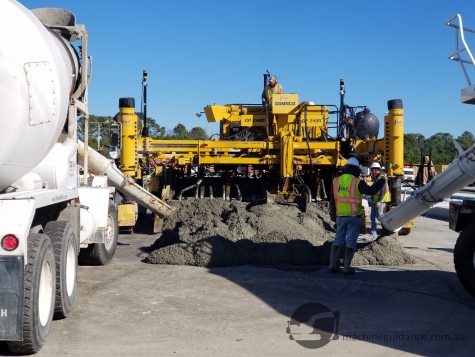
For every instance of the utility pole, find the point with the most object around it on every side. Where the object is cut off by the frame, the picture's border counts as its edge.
(99, 137)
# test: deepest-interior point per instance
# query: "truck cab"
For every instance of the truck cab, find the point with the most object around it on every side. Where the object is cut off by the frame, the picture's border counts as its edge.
(409, 174)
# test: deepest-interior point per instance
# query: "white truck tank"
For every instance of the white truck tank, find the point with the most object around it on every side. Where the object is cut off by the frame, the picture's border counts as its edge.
(36, 79)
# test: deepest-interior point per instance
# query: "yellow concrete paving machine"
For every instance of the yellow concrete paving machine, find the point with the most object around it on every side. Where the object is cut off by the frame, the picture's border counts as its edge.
(287, 151)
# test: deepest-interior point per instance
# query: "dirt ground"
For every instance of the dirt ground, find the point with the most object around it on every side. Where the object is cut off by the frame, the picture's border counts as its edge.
(214, 233)
(132, 308)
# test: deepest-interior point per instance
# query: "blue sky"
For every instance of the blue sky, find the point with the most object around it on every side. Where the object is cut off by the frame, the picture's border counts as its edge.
(209, 51)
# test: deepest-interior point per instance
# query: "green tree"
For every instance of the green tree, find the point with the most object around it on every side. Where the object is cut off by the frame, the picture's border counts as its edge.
(180, 132)
(99, 128)
(442, 148)
(155, 131)
(413, 143)
(198, 133)
(466, 140)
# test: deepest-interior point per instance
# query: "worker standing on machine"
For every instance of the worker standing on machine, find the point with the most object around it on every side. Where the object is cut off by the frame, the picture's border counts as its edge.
(346, 209)
(379, 199)
(272, 88)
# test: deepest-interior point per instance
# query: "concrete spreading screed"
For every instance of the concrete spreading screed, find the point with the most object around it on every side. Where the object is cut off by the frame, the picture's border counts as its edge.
(212, 233)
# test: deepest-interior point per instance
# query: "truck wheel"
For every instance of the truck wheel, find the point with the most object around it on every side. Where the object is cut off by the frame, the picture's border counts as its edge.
(126, 230)
(464, 258)
(102, 253)
(40, 277)
(64, 244)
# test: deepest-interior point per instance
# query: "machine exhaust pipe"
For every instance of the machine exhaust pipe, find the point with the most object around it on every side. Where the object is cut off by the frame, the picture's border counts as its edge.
(99, 165)
(458, 175)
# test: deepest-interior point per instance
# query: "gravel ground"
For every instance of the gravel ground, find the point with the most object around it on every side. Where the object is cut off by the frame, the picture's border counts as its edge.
(213, 233)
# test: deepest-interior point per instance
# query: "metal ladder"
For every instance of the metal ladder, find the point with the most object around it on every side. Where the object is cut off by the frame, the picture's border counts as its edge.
(468, 94)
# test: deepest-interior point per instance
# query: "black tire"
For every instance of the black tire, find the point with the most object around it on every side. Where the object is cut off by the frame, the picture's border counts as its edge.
(40, 278)
(404, 231)
(464, 258)
(63, 239)
(126, 230)
(102, 253)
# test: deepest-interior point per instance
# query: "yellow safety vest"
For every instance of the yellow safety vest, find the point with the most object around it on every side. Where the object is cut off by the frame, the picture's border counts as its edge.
(277, 90)
(387, 195)
(153, 185)
(348, 198)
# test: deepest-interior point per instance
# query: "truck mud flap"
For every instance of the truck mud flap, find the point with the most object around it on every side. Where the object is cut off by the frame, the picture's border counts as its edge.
(11, 297)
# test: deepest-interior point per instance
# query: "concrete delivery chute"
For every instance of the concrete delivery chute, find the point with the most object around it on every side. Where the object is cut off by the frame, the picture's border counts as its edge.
(459, 174)
(99, 165)
(47, 220)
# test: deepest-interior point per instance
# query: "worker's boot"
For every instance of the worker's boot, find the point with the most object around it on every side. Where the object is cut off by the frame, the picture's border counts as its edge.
(349, 253)
(333, 267)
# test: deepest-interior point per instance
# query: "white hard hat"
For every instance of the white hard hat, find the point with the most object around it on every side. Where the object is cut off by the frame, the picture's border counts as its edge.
(353, 161)
(375, 165)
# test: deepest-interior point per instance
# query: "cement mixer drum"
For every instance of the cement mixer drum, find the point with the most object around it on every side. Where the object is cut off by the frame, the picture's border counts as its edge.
(36, 79)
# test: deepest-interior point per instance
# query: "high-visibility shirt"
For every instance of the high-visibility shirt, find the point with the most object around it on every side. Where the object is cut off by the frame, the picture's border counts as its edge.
(348, 198)
(153, 185)
(277, 90)
(387, 194)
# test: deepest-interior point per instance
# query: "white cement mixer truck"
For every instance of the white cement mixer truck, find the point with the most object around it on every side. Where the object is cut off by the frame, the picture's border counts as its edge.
(459, 174)
(47, 219)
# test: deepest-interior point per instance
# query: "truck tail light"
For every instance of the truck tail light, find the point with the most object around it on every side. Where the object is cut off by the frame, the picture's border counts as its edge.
(10, 242)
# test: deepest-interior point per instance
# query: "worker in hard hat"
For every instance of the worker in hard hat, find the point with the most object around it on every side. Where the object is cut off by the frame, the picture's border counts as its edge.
(346, 209)
(379, 199)
(269, 90)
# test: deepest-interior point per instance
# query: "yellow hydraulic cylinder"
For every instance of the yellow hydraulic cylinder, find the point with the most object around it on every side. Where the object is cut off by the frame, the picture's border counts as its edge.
(128, 154)
(394, 135)
(286, 155)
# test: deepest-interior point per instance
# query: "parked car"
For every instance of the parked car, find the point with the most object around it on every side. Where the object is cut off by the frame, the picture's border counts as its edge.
(409, 174)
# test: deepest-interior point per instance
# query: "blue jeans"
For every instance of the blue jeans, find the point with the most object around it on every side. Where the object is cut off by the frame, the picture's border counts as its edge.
(347, 229)
(376, 213)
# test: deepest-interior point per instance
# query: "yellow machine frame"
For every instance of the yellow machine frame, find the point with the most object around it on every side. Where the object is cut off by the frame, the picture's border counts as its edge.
(287, 138)
(288, 149)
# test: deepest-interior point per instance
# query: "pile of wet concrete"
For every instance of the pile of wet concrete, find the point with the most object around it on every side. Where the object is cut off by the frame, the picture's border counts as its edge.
(213, 233)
